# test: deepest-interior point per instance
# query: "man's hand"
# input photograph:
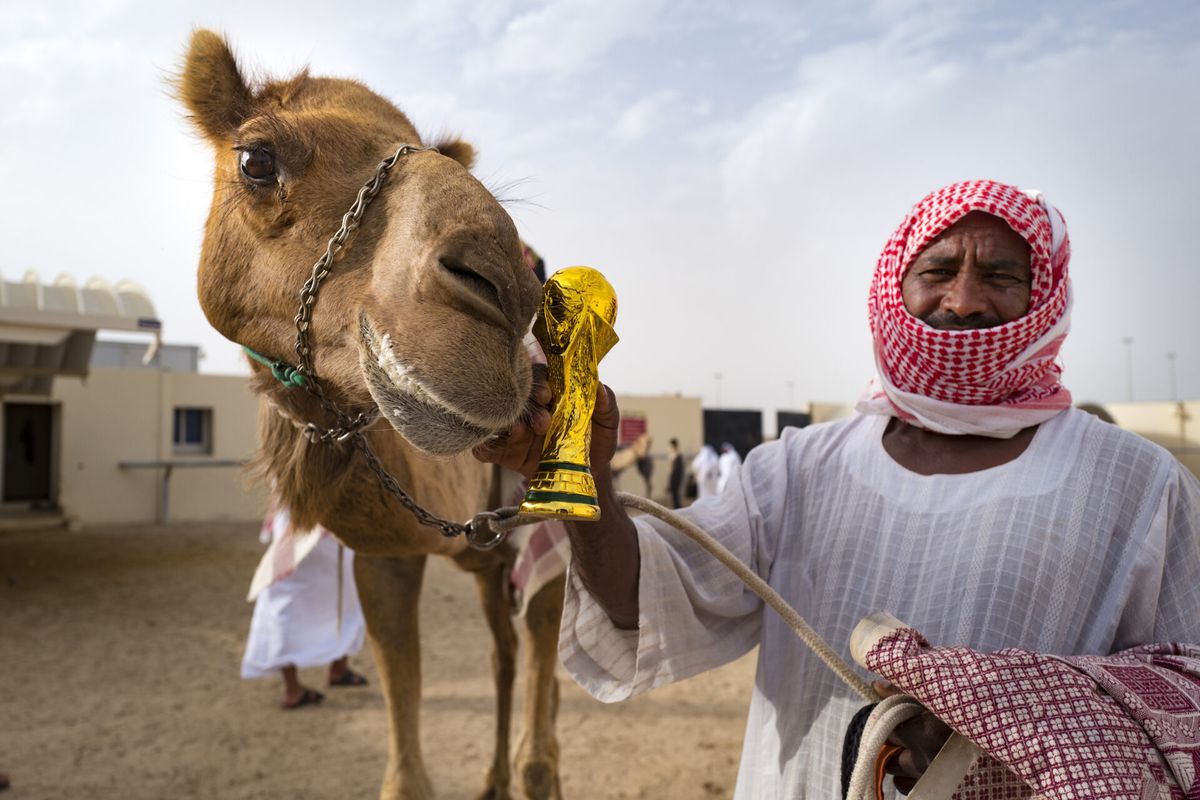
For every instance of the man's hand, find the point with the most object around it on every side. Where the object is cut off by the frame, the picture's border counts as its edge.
(921, 737)
(520, 447)
(606, 428)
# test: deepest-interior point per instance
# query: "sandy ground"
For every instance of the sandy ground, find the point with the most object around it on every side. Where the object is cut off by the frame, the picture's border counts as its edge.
(119, 654)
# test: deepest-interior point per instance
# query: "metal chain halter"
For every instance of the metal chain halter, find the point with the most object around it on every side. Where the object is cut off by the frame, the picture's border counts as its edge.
(479, 530)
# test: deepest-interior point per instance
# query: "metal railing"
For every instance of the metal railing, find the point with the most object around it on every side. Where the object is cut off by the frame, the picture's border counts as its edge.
(170, 465)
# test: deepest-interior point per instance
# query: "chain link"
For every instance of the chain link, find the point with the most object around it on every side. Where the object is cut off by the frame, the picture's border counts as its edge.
(350, 221)
(479, 530)
(389, 483)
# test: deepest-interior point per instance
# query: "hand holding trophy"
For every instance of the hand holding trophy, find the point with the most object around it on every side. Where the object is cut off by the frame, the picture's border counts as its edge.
(575, 330)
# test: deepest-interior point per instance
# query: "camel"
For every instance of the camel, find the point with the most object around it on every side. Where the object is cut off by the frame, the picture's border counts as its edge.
(420, 320)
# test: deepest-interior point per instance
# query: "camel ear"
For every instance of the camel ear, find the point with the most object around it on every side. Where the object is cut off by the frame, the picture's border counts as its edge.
(212, 86)
(460, 151)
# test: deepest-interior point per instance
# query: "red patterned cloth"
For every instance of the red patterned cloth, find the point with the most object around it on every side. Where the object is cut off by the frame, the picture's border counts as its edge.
(286, 548)
(1065, 728)
(991, 381)
(543, 552)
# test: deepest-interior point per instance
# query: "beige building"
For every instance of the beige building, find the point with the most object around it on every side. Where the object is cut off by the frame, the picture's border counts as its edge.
(131, 445)
(113, 432)
(144, 445)
(1175, 426)
(661, 417)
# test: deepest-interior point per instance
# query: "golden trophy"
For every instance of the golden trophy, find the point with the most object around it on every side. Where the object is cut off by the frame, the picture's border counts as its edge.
(575, 330)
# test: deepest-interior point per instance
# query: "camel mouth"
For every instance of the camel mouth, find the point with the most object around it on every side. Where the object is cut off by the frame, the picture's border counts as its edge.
(428, 421)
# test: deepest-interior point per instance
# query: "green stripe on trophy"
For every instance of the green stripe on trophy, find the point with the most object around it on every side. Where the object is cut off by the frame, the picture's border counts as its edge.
(550, 466)
(560, 497)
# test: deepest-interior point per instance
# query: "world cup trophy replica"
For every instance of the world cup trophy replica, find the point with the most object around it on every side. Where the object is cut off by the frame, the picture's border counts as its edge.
(575, 330)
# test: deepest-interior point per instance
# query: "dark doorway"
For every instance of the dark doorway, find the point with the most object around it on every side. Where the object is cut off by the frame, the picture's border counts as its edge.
(742, 429)
(791, 419)
(28, 438)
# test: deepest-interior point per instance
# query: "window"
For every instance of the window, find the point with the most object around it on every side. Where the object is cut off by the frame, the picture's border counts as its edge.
(192, 431)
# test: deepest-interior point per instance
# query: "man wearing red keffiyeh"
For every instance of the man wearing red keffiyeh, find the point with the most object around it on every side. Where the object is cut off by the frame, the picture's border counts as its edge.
(967, 498)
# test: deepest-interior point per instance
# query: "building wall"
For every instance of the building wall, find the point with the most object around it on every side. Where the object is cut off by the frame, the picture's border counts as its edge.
(120, 415)
(1175, 426)
(666, 416)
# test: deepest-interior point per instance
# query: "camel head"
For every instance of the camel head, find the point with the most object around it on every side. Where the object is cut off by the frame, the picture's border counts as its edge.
(425, 309)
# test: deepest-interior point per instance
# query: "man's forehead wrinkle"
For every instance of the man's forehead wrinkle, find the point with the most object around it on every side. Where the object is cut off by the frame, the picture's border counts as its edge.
(928, 256)
(988, 230)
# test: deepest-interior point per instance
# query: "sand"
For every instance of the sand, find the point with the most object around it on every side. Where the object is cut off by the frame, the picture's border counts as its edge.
(119, 654)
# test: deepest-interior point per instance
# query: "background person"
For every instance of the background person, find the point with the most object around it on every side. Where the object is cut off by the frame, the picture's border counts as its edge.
(298, 620)
(676, 476)
(705, 467)
(727, 462)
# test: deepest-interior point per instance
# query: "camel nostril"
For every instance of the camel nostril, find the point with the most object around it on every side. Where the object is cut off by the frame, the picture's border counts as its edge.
(471, 279)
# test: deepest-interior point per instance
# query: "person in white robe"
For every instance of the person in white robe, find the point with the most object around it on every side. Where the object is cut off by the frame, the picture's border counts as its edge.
(706, 470)
(728, 461)
(966, 497)
(304, 615)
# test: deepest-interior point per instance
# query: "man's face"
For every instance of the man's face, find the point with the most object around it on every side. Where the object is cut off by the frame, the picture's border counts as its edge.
(976, 274)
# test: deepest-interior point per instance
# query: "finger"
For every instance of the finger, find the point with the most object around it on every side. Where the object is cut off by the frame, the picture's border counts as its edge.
(922, 737)
(493, 453)
(902, 765)
(884, 689)
(540, 393)
(533, 456)
(506, 448)
(488, 450)
(517, 446)
(539, 422)
(606, 403)
(893, 766)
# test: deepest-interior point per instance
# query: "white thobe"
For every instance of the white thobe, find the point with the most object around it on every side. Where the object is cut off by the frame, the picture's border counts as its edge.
(726, 464)
(295, 620)
(705, 466)
(1088, 542)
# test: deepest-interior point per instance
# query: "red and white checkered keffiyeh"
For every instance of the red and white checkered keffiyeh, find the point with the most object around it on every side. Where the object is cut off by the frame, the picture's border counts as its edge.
(989, 382)
(1118, 727)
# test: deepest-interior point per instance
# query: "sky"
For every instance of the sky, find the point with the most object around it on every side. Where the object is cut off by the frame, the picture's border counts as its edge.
(733, 168)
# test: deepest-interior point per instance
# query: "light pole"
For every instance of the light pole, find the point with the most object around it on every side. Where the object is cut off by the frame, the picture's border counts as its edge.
(1171, 376)
(1128, 342)
(791, 387)
(717, 376)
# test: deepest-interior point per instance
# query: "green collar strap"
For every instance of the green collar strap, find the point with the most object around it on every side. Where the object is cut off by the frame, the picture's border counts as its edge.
(284, 372)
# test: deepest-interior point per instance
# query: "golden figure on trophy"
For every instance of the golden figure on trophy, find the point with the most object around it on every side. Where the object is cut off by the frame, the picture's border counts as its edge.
(575, 330)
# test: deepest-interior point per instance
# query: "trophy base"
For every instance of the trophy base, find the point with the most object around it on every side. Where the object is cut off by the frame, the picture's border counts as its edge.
(562, 491)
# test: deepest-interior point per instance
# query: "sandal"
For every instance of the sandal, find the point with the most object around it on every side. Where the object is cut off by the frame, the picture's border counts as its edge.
(348, 678)
(309, 697)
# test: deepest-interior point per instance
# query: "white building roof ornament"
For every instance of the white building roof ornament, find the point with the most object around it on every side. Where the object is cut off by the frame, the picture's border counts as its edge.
(48, 329)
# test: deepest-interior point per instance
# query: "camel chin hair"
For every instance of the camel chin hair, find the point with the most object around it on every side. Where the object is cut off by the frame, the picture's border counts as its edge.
(425, 421)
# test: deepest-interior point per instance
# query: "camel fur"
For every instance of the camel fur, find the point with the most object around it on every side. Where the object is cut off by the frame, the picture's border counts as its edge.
(423, 316)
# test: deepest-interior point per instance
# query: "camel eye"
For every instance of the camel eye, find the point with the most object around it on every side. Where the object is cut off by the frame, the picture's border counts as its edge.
(258, 164)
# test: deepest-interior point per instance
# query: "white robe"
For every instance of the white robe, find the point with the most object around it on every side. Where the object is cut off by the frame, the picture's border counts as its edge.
(1089, 542)
(705, 468)
(726, 464)
(295, 619)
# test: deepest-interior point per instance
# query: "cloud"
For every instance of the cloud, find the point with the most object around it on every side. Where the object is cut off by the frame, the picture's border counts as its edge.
(644, 116)
(561, 39)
